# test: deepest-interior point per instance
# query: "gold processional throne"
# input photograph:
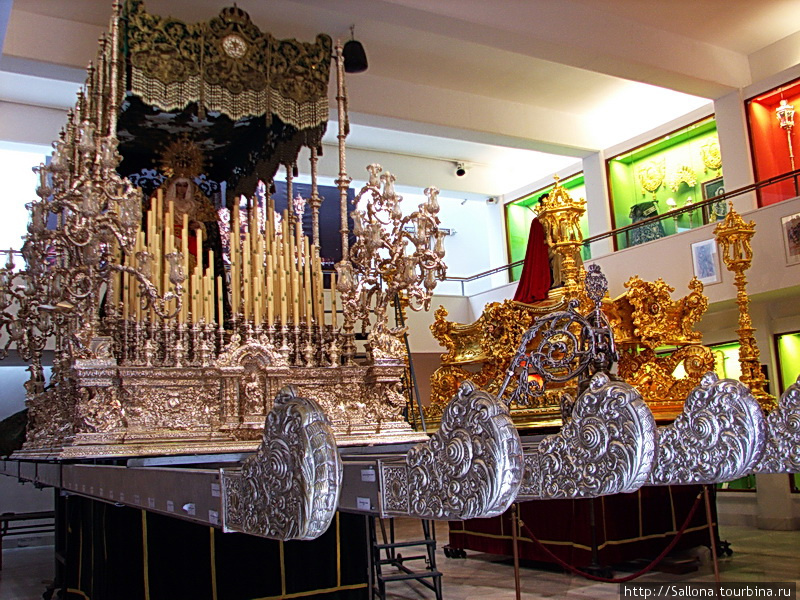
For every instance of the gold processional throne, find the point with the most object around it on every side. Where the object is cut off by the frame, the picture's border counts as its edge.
(660, 352)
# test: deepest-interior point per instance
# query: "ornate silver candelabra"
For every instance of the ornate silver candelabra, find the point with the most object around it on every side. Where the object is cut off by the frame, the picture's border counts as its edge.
(394, 256)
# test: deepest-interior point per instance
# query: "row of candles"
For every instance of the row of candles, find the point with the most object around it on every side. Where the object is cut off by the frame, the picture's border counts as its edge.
(276, 274)
(275, 279)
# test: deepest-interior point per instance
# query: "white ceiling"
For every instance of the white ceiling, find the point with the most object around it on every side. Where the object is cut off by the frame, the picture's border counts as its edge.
(495, 84)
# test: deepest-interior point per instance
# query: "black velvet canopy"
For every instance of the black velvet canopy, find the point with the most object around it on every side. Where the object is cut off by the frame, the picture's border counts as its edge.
(248, 101)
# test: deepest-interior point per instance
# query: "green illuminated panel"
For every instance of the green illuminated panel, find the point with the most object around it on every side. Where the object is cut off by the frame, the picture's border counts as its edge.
(789, 358)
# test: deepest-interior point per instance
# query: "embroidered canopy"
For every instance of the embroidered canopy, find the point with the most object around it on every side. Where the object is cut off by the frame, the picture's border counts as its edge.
(248, 100)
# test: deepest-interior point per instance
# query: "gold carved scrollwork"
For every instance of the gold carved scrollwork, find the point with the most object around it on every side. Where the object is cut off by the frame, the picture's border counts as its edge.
(653, 375)
(645, 319)
(647, 315)
(651, 176)
(481, 352)
(711, 155)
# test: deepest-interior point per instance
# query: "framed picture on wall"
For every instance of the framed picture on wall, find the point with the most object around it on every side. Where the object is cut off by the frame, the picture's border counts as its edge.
(790, 225)
(705, 259)
(714, 211)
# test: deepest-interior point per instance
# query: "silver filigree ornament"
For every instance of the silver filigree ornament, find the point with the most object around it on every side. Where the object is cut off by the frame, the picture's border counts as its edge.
(720, 436)
(83, 223)
(563, 345)
(782, 450)
(471, 467)
(289, 489)
(394, 255)
(607, 442)
(607, 446)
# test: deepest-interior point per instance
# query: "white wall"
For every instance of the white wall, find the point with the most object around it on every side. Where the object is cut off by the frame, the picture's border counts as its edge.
(12, 393)
(19, 185)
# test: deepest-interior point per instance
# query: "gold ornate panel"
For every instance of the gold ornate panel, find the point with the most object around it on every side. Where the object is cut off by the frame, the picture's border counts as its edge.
(481, 352)
(654, 334)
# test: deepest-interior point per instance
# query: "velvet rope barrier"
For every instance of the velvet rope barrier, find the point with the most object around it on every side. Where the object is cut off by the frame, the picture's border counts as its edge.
(647, 569)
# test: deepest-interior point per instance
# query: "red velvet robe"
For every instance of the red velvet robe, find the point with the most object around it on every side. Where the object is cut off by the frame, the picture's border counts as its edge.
(536, 278)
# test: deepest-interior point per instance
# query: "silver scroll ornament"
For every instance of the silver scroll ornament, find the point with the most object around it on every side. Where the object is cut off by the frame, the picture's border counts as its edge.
(471, 467)
(782, 449)
(563, 345)
(606, 446)
(720, 436)
(289, 489)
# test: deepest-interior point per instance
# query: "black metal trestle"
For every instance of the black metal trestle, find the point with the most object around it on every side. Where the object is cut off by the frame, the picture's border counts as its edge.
(428, 576)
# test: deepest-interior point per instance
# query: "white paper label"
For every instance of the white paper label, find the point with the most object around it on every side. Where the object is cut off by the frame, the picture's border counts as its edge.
(215, 490)
(170, 506)
(151, 503)
(189, 509)
(213, 517)
(363, 503)
(136, 499)
(368, 475)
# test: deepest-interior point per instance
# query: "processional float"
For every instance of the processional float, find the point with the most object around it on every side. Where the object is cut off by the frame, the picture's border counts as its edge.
(182, 327)
(175, 322)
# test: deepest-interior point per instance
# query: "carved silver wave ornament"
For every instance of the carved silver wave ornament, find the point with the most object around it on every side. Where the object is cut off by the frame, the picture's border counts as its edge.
(470, 468)
(606, 446)
(720, 435)
(782, 450)
(289, 489)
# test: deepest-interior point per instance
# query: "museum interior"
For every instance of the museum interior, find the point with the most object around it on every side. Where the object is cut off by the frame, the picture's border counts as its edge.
(398, 299)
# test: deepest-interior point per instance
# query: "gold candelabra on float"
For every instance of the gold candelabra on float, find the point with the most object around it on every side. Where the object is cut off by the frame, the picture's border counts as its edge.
(785, 114)
(734, 235)
(560, 216)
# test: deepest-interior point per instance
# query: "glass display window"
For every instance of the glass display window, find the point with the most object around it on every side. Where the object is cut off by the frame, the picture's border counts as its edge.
(726, 365)
(726, 360)
(788, 352)
(770, 120)
(672, 172)
(519, 214)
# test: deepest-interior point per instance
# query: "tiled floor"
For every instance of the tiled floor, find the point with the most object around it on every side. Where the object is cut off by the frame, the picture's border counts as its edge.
(26, 572)
(758, 556)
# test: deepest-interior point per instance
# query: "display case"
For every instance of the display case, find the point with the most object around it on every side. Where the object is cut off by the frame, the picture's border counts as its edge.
(519, 214)
(670, 173)
(772, 140)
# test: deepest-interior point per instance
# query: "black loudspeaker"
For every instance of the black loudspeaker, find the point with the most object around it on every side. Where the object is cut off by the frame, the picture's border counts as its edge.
(355, 58)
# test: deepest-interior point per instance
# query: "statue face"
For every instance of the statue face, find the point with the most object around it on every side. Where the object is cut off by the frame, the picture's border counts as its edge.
(181, 188)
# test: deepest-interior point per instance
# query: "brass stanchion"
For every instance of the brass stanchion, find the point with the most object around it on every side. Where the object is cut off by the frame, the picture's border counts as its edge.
(710, 521)
(515, 524)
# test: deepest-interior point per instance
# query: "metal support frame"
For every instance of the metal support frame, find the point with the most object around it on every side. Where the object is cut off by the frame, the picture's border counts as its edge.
(430, 576)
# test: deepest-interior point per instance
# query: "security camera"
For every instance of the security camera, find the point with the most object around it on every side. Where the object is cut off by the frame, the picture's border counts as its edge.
(461, 170)
(491, 200)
